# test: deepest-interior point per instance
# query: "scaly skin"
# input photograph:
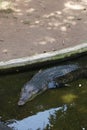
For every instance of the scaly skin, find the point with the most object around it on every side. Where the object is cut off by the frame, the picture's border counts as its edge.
(44, 80)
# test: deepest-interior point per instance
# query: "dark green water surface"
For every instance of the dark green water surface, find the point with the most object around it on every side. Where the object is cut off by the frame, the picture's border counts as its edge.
(59, 109)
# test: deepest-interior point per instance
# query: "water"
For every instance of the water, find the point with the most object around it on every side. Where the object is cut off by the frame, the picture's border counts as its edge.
(59, 109)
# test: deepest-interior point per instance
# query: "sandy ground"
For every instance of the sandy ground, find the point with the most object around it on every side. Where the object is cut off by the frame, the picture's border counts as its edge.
(29, 27)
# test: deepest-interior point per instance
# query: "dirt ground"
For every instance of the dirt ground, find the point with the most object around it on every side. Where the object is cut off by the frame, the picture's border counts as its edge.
(29, 27)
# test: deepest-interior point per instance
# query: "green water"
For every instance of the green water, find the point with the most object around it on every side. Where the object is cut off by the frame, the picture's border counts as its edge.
(73, 97)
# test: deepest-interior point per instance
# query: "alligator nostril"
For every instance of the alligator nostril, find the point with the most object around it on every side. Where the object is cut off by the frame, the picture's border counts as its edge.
(20, 103)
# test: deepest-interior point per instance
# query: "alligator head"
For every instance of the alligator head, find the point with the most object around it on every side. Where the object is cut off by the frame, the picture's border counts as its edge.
(28, 92)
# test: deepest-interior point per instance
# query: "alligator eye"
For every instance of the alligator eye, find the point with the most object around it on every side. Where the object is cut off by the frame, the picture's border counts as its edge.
(31, 92)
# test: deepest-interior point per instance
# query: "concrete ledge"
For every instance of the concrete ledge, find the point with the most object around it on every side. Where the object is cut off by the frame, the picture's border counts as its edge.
(40, 58)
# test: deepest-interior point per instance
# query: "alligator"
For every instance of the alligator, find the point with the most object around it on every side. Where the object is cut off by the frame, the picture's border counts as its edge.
(54, 77)
(4, 127)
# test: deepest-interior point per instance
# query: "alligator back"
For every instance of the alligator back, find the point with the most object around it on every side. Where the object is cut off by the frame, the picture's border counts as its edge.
(45, 76)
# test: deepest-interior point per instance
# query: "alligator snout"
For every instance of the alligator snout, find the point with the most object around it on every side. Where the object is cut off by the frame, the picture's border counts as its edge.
(28, 93)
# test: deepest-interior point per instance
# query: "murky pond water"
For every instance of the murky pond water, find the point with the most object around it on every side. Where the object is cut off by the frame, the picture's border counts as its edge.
(59, 109)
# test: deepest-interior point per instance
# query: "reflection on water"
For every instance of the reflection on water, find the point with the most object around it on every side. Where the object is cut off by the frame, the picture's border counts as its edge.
(38, 121)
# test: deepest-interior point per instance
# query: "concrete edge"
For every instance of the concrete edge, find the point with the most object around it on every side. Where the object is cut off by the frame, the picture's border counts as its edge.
(40, 58)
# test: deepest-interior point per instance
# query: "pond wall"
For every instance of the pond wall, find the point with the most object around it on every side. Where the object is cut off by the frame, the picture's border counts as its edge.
(21, 63)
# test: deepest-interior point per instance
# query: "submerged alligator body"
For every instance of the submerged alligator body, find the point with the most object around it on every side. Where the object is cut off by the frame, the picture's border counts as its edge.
(54, 77)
